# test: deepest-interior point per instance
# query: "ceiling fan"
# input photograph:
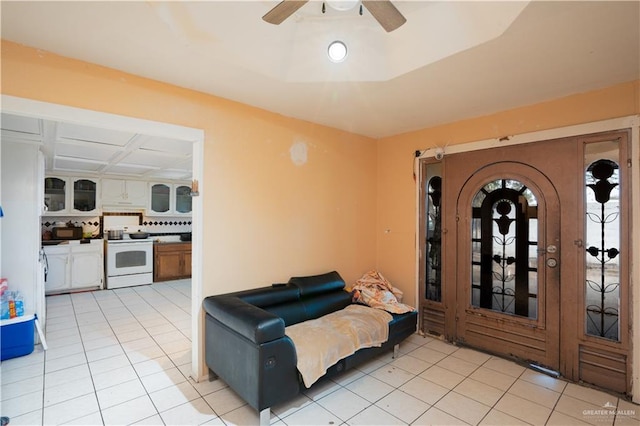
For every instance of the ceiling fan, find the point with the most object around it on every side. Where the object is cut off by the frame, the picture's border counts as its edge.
(382, 10)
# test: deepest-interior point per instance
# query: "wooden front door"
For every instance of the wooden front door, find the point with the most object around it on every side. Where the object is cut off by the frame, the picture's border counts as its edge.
(534, 255)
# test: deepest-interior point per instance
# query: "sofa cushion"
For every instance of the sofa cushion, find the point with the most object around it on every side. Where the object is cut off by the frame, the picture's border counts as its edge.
(316, 284)
(291, 313)
(269, 296)
(323, 304)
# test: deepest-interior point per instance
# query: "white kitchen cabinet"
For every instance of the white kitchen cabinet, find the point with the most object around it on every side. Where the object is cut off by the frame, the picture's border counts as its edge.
(86, 265)
(56, 195)
(160, 198)
(85, 196)
(169, 199)
(124, 193)
(182, 199)
(58, 271)
(71, 196)
(74, 266)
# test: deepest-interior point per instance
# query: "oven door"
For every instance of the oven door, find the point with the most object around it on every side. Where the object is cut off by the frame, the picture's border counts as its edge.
(129, 258)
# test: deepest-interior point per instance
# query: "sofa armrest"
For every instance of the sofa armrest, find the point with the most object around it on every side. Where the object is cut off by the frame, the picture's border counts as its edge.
(257, 325)
(247, 348)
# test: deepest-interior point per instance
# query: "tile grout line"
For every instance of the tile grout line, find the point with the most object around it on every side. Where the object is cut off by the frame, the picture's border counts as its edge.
(84, 352)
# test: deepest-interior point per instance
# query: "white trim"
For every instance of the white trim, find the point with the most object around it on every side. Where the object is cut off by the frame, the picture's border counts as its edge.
(541, 135)
(105, 120)
(629, 122)
(55, 112)
(198, 369)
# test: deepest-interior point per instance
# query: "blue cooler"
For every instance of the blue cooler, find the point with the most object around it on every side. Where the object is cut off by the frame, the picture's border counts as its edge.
(16, 336)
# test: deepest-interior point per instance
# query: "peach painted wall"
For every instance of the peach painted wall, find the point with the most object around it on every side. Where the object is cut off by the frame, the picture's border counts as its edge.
(350, 207)
(395, 231)
(266, 218)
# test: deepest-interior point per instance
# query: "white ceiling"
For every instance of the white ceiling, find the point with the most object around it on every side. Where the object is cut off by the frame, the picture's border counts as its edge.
(451, 60)
(76, 149)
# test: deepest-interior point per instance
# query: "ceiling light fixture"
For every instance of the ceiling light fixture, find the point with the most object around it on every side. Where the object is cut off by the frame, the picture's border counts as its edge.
(342, 5)
(337, 51)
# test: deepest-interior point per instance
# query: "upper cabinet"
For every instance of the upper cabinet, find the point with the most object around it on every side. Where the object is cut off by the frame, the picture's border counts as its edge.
(66, 196)
(85, 195)
(182, 199)
(160, 198)
(124, 193)
(71, 196)
(169, 199)
(55, 195)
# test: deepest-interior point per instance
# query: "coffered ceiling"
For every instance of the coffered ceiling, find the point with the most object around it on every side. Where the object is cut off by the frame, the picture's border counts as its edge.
(451, 60)
(77, 149)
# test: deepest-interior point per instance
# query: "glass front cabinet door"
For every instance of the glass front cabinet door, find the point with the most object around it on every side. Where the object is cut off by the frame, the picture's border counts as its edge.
(85, 195)
(183, 199)
(160, 198)
(55, 195)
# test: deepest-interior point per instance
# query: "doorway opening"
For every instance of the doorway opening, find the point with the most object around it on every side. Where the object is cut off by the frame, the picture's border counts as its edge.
(113, 122)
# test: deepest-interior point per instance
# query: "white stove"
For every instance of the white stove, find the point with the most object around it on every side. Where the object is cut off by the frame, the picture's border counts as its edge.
(128, 261)
(126, 239)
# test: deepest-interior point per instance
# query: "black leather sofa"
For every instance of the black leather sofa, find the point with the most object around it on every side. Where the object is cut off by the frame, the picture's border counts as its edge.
(246, 345)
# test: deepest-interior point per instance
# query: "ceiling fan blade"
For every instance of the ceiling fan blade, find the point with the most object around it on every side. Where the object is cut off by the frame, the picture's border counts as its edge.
(283, 10)
(385, 13)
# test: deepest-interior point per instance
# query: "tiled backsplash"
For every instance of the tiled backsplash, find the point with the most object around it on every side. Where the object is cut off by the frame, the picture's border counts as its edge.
(157, 225)
(89, 224)
(154, 225)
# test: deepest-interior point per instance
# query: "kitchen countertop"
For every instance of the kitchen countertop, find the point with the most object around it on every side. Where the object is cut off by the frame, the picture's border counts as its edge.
(165, 240)
(154, 238)
(72, 242)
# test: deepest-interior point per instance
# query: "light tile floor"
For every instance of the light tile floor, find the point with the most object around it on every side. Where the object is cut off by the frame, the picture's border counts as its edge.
(123, 357)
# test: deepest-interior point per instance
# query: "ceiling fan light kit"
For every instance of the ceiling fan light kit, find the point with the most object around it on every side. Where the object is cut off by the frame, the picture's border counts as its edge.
(342, 5)
(387, 15)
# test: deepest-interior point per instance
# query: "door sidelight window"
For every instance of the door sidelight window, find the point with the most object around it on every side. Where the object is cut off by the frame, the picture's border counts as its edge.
(434, 238)
(602, 237)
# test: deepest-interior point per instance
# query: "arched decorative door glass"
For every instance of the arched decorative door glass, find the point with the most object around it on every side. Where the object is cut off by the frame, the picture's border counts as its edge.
(504, 249)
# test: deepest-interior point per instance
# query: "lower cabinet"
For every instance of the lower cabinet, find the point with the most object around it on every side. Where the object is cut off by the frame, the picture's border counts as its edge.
(171, 261)
(57, 278)
(74, 267)
(87, 266)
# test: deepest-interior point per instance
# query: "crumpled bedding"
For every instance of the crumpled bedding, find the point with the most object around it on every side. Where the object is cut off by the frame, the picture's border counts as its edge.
(322, 342)
(375, 291)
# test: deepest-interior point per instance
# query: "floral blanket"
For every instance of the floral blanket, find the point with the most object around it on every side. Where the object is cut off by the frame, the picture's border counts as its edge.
(375, 291)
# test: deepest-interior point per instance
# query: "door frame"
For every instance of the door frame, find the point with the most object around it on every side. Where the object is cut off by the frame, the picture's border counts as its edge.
(627, 122)
(57, 112)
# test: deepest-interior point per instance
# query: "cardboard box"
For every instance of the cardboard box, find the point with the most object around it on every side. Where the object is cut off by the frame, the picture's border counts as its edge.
(16, 336)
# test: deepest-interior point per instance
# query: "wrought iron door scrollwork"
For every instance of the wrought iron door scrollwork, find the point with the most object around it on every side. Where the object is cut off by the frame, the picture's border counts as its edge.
(602, 317)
